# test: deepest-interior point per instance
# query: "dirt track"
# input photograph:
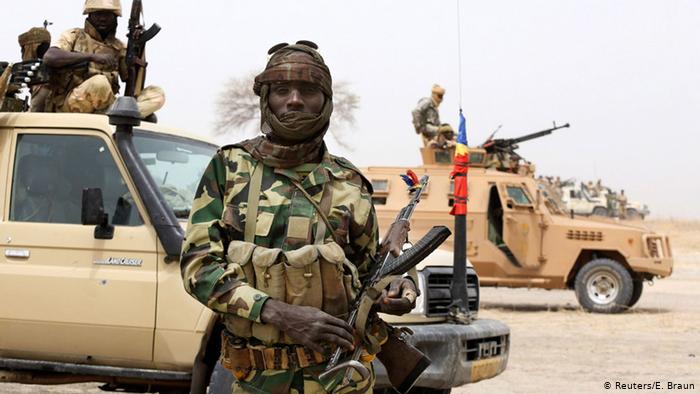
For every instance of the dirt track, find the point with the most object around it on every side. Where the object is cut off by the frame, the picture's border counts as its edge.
(558, 348)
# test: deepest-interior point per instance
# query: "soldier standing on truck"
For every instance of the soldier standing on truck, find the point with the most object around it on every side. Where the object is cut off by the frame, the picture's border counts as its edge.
(279, 234)
(86, 65)
(611, 202)
(426, 121)
(622, 205)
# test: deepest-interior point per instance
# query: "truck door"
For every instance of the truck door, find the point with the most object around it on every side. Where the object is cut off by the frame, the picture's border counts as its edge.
(521, 231)
(63, 291)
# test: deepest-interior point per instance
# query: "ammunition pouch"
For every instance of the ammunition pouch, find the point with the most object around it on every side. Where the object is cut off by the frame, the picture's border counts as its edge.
(239, 356)
(313, 275)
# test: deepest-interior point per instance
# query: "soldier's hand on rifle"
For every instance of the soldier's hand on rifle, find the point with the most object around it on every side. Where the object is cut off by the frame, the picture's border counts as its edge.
(105, 58)
(307, 325)
(399, 299)
(395, 238)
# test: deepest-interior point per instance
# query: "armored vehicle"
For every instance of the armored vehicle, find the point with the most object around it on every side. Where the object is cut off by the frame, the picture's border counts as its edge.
(91, 221)
(519, 237)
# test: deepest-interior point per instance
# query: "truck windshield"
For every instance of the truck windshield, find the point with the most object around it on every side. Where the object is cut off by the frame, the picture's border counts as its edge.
(176, 164)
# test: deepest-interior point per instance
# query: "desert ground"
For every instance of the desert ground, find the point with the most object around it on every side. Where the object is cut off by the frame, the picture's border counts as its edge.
(558, 348)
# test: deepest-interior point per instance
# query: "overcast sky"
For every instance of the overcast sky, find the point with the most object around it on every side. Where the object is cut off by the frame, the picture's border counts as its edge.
(624, 73)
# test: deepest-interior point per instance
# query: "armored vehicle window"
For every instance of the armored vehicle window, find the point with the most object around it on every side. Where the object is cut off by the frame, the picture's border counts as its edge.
(380, 185)
(381, 191)
(476, 157)
(51, 172)
(518, 195)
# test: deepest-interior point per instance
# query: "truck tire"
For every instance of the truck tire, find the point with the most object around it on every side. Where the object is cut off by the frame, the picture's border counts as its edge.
(600, 211)
(221, 381)
(604, 286)
(636, 292)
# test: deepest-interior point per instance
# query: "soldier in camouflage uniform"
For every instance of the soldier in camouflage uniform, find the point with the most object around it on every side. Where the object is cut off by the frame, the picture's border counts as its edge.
(426, 121)
(280, 235)
(88, 63)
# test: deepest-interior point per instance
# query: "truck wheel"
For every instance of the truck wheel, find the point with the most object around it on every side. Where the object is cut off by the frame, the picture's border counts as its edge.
(636, 292)
(600, 211)
(221, 381)
(604, 286)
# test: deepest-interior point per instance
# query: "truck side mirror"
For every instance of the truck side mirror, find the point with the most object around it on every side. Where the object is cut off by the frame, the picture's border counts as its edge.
(93, 213)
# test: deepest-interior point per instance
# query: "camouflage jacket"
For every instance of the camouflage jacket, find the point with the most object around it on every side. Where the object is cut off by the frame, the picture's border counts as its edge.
(286, 220)
(426, 118)
(87, 40)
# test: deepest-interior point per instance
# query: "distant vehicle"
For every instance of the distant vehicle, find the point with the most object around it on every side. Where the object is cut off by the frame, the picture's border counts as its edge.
(579, 199)
(519, 237)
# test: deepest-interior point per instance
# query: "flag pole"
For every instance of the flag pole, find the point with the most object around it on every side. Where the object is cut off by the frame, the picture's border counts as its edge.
(459, 308)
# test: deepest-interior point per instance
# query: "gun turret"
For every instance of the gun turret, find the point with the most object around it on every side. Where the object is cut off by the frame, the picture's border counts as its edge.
(508, 144)
(501, 153)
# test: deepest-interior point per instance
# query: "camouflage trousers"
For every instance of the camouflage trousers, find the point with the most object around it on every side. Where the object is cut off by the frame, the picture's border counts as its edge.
(297, 382)
(95, 96)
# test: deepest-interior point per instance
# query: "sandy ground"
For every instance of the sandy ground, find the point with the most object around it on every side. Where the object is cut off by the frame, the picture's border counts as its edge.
(558, 348)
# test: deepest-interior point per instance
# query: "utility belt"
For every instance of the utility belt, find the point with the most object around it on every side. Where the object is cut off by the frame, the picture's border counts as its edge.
(239, 356)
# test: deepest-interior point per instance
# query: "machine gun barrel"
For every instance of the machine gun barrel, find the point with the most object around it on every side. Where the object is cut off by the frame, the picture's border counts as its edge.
(538, 134)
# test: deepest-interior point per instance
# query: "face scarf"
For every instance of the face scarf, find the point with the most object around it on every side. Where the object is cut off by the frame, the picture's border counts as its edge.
(301, 133)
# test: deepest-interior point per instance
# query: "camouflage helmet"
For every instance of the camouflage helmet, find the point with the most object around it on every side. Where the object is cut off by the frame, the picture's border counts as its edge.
(102, 5)
(298, 62)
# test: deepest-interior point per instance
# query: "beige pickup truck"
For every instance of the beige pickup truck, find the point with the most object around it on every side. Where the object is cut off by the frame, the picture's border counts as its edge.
(104, 301)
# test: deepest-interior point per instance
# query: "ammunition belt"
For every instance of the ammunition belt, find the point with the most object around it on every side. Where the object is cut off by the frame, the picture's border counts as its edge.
(238, 356)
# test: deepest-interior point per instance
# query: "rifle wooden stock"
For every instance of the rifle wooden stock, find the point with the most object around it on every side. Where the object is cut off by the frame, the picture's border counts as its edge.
(404, 363)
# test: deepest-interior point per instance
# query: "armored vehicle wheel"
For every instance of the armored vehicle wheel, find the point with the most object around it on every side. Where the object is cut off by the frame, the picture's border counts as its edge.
(221, 381)
(604, 286)
(600, 211)
(636, 292)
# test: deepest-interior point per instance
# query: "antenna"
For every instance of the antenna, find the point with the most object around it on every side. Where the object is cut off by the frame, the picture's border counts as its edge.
(459, 52)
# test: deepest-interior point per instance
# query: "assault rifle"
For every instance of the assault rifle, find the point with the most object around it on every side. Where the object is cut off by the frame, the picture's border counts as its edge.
(404, 363)
(136, 50)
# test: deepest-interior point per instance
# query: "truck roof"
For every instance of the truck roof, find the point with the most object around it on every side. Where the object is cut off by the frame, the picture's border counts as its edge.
(81, 121)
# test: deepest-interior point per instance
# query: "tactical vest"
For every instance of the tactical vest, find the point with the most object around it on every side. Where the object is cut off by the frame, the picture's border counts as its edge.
(317, 275)
(87, 40)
